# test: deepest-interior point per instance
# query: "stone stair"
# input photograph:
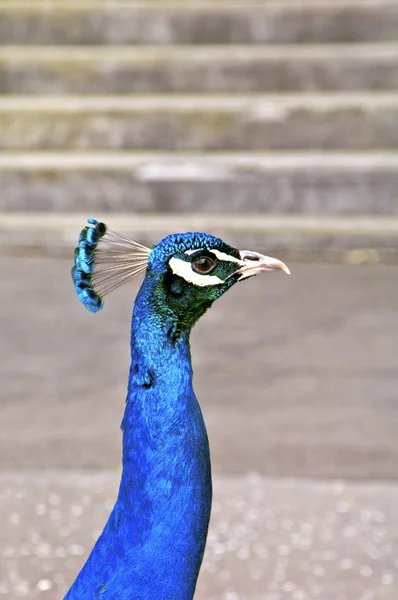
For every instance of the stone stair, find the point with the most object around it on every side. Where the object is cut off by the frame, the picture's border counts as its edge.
(116, 22)
(199, 69)
(206, 123)
(281, 107)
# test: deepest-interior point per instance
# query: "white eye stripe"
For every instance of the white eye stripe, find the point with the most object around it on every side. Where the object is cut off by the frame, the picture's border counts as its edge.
(227, 257)
(189, 252)
(184, 269)
(220, 255)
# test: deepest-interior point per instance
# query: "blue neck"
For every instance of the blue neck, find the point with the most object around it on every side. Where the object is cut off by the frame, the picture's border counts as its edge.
(166, 481)
(153, 543)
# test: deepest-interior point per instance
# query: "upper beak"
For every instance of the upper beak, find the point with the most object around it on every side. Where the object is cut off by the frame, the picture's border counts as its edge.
(257, 263)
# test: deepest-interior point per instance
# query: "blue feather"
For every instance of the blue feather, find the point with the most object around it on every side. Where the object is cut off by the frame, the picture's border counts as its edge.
(99, 268)
(85, 264)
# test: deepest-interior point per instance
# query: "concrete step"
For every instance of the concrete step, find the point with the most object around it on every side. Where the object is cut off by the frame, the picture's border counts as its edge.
(323, 183)
(352, 239)
(150, 69)
(177, 22)
(251, 122)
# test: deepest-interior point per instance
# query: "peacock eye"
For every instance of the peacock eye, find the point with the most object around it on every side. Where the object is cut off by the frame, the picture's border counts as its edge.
(204, 265)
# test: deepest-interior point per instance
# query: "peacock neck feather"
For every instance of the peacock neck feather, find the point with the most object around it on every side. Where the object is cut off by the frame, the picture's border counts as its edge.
(165, 447)
(157, 530)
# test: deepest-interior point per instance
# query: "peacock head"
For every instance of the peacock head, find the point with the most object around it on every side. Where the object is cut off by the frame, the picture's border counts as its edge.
(185, 273)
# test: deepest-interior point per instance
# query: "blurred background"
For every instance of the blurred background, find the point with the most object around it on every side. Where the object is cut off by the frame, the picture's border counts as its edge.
(273, 124)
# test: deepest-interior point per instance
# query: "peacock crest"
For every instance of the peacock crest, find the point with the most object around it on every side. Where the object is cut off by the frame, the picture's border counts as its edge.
(104, 260)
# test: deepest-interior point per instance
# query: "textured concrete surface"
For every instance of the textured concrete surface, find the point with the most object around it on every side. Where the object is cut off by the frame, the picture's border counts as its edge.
(269, 539)
(296, 375)
(174, 123)
(206, 69)
(306, 182)
(174, 22)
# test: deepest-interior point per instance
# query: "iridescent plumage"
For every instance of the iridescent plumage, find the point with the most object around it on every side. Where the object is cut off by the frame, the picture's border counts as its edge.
(104, 260)
(153, 543)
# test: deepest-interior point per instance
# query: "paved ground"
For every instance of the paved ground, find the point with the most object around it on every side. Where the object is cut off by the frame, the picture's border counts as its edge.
(296, 375)
(297, 378)
(269, 539)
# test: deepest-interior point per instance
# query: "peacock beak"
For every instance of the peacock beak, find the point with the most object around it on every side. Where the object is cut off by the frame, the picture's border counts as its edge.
(257, 263)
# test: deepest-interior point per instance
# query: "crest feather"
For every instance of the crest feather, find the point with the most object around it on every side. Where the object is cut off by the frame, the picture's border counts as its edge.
(104, 260)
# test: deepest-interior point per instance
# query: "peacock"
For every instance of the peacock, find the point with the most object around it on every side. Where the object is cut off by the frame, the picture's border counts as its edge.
(153, 542)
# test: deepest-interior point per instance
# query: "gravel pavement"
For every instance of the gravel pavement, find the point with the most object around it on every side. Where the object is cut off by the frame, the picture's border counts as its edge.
(270, 539)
